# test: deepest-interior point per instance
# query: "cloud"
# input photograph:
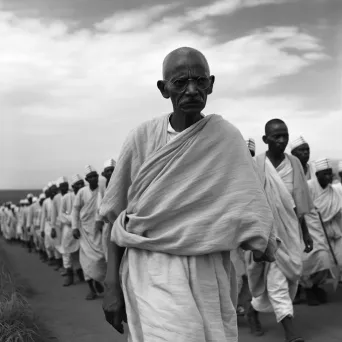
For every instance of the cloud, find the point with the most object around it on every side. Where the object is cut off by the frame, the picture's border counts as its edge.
(71, 96)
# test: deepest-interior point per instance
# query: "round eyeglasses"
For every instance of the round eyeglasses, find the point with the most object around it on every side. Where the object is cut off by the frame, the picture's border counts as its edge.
(180, 84)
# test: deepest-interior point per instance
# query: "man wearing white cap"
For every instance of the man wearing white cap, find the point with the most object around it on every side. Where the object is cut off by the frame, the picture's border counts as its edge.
(87, 226)
(70, 245)
(109, 167)
(45, 225)
(328, 201)
(301, 149)
(30, 223)
(316, 264)
(288, 195)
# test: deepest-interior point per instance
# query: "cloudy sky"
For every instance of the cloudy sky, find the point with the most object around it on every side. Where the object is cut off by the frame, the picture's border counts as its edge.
(78, 75)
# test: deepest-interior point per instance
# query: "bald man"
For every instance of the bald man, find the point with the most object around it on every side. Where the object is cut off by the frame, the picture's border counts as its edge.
(288, 195)
(316, 265)
(183, 195)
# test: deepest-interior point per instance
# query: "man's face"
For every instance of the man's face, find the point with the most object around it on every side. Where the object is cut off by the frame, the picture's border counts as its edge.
(302, 152)
(107, 172)
(64, 187)
(77, 186)
(188, 97)
(277, 138)
(53, 191)
(93, 179)
(325, 177)
(41, 201)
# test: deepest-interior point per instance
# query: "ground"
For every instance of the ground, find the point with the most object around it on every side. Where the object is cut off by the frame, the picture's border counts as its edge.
(72, 319)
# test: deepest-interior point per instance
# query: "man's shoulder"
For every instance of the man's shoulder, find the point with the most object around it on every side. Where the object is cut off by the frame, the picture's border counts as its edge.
(148, 126)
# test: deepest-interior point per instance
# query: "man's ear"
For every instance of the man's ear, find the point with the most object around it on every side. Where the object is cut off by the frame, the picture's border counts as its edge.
(212, 81)
(163, 89)
(264, 139)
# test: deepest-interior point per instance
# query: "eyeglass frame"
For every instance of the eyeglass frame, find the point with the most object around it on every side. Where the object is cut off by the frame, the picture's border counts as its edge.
(191, 79)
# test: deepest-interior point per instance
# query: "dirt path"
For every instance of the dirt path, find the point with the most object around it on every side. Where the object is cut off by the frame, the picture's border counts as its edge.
(72, 319)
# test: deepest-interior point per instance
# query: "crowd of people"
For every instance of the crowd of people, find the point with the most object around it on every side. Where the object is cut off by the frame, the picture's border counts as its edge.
(191, 228)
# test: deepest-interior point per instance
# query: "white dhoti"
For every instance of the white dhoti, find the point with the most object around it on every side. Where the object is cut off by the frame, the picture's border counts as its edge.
(279, 295)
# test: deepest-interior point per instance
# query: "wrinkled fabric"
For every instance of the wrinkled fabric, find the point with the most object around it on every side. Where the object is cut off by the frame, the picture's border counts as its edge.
(56, 223)
(83, 215)
(279, 296)
(45, 226)
(181, 207)
(329, 203)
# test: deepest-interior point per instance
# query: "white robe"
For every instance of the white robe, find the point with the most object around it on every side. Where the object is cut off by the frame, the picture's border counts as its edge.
(45, 225)
(84, 214)
(69, 244)
(329, 203)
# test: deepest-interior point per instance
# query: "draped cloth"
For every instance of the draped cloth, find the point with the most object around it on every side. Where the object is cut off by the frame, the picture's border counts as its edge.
(56, 223)
(69, 244)
(279, 280)
(45, 224)
(84, 213)
(329, 203)
(181, 207)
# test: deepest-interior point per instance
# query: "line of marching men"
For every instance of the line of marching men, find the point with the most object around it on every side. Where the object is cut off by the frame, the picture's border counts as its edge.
(64, 227)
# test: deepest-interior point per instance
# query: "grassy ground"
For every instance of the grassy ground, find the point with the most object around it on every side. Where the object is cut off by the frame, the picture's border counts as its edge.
(18, 323)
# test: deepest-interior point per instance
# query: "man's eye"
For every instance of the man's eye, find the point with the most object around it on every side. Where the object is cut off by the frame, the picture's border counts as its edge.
(179, 83)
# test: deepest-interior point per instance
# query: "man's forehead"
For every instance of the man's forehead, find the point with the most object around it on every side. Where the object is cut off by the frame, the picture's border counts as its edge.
(277, 128)
(303, 147)
(178, 62)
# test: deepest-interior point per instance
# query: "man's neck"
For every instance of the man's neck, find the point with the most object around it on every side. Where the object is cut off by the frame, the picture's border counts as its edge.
(181, 121)
(305, 168)
(275, 158)
(93, 188)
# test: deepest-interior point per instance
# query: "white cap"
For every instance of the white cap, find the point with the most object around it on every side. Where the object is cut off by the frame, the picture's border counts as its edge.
(109, 163)
(34, 199)
(62, 180)
(50, 184)
(297, 142)
(45, 188)
(12, 206)
(29, 196)
(340, 166)
(322, 164)
(21, 201)
(251, 144)
(89, 169)
(42, 196)
(25, 201)
(76, 178)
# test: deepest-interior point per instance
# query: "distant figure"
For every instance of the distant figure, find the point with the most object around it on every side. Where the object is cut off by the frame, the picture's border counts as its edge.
(328, 201)
(108, 170)
(316, 265)
(70, 245)
(88, 228)
(183, 195)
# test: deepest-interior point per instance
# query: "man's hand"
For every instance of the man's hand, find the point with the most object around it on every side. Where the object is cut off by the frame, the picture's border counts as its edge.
(53, 233)
(114, 307)
(261, 257)
(76, 233)
(42, 234)
(308, 243)
(99, 226)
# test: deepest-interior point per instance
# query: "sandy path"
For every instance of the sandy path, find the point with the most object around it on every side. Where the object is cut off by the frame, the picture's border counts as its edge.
(72, 319)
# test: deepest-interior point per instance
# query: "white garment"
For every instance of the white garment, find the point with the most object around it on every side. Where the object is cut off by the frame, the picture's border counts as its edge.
(279, 295)
(69, 244)
(84, 214)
